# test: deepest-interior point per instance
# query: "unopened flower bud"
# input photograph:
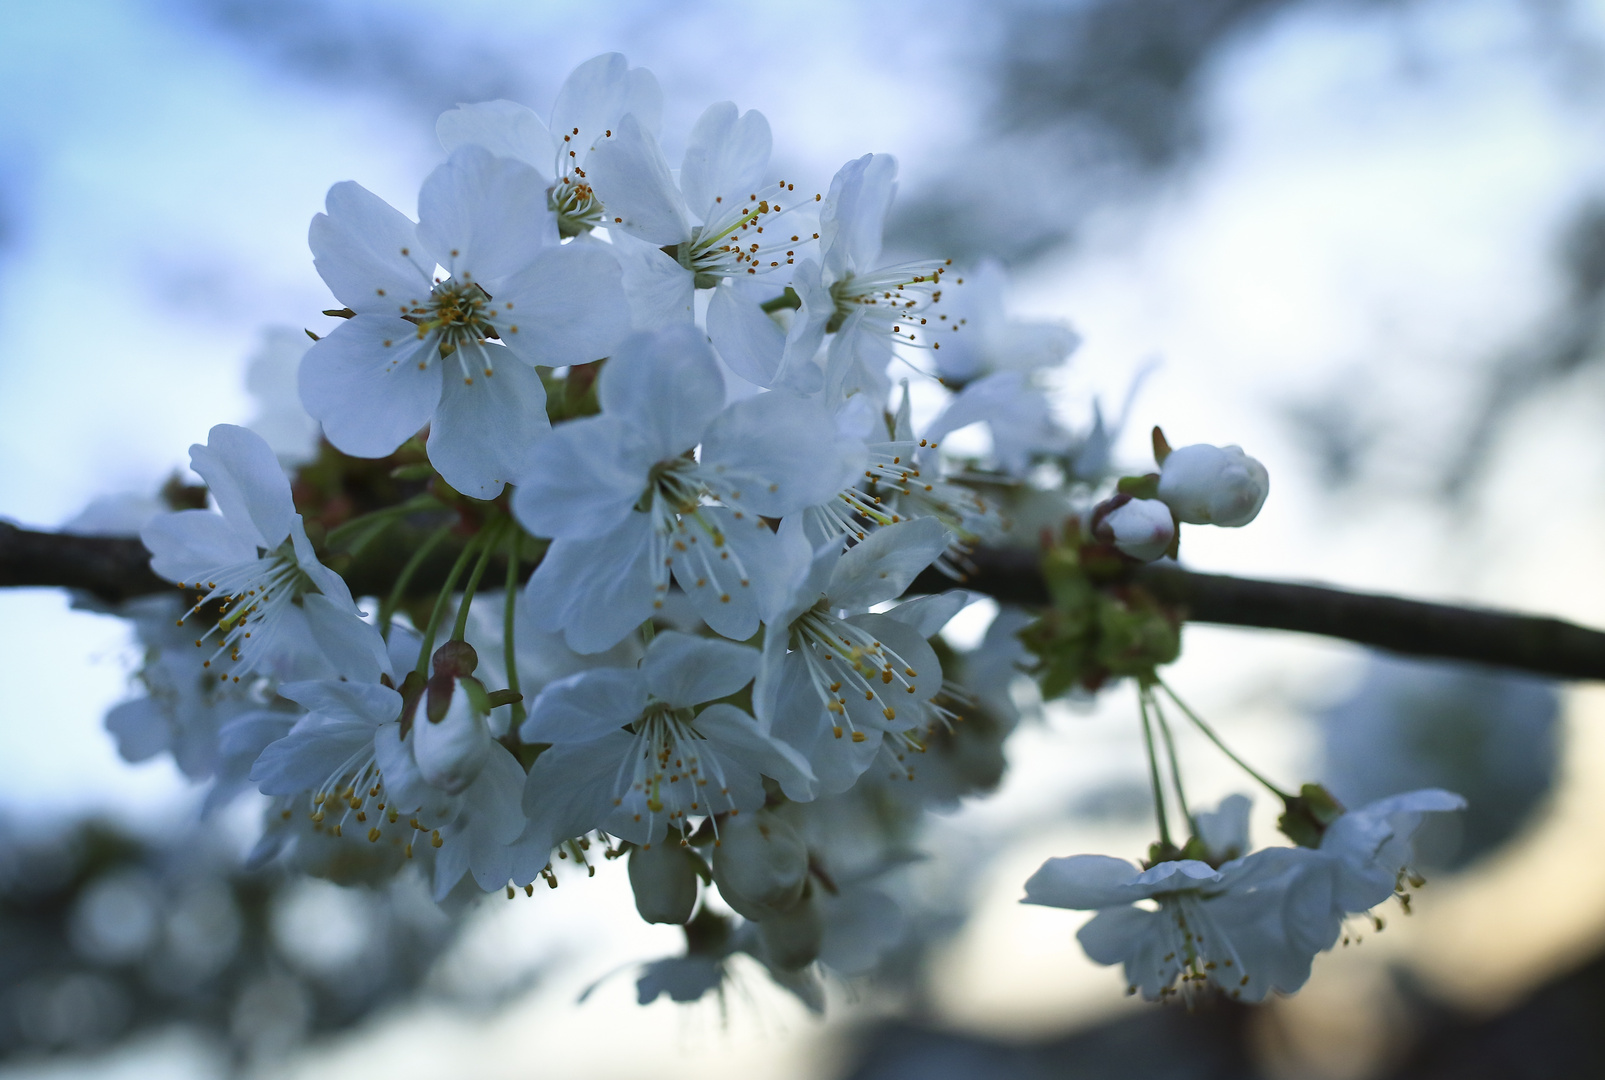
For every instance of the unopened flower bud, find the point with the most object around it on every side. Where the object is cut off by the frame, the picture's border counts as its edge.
(664, 881)
(452, 750)
(1141, 528)
(1213, 485)
(760, 865)
(791, 938)
(455, 658)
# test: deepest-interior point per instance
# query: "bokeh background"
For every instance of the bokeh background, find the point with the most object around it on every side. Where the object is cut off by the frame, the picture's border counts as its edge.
(1363, 238)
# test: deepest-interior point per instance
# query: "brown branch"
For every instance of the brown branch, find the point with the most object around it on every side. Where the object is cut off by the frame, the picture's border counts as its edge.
(116, 569)
(1532, 643)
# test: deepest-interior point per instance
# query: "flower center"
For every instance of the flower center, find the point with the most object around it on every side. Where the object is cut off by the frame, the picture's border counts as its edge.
(354, 788)
(251, 597)
(669, 771)
(458, 310)
(897, 299)
(846, 665)
(734, 241)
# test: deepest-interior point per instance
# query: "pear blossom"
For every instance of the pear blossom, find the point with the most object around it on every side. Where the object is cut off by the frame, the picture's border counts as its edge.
(454, 352)
(1213, 485)
(633, 754)
(833, 686)
(593, 100)
(628, 499)
(283, 611)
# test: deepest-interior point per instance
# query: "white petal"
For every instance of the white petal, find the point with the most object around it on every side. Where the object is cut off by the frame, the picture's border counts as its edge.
(731, 575)
(586, 706)
(666, 386)
(726, 155)
(747, 339)
(505, 128)
(595, 591)
(801, 722)
(780, 452)
(1087, 882)
(571, 789)
(567, 306)
(368, 703)
(916, 655)
(737, 736)
(850, 227)
(187, 545)
(684, 670)
(484, 432)
(583, 480)
(659, 289)
(351, 646)
(372, 383)
(928, 614)
(313, 750)
(630, 174)
(883, 565)
(244, 476)
(1115, 934)
(367, 252)
(482, 217)
(598, 93)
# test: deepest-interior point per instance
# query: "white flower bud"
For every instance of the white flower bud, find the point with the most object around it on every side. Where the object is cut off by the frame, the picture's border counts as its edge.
(760, 864)
(451, 751)
(791, 938)
(664, 881)
(1213, 485)
(1142, 528)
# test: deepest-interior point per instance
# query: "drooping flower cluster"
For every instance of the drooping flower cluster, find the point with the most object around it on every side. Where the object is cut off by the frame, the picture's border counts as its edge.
(668, 410)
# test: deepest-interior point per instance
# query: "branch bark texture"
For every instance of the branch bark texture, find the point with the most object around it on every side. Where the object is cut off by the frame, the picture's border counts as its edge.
(115, 569)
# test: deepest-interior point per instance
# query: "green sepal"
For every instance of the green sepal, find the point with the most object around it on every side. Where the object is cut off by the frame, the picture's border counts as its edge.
(1139, 487)
(1308, 814)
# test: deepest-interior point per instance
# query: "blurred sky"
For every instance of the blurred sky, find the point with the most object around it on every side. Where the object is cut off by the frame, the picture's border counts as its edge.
(1372, 217)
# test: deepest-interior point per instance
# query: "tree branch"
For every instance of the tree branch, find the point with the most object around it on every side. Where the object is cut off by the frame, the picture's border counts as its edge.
(116, 569)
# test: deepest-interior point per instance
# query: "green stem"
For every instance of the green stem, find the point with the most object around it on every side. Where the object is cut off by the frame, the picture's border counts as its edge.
(509, 652)
(428, 646)
(1153, 771)
(493, 533)
(1209, 733)
(382, 518)
(1175, 763)
(387, 610)
(648, 632)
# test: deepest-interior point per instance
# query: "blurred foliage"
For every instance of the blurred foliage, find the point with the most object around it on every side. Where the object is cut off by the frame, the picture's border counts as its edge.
(1489, 735)
(105, 936)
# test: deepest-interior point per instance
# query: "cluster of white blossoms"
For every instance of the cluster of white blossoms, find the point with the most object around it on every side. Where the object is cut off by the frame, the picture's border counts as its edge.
(682, 394)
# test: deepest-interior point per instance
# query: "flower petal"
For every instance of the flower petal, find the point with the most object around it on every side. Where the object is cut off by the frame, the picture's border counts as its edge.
(735, 735)
(586, 706)
(482, 217)
(367, 252)
(244, 476)
(630, 174)
(372, 383)
(484, 431)
(882, 566)
(567, 306)
(776, 453)
(583, 481)
(726, 156)
(667, 386)
(684, 670)
(505, 128)
(598, 590)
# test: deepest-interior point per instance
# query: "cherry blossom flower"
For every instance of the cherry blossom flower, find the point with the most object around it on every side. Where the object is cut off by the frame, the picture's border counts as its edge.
(628, 499)
(593, 100)
(1213, 485)
(633, 754)
(282, 611)
(455, 352)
